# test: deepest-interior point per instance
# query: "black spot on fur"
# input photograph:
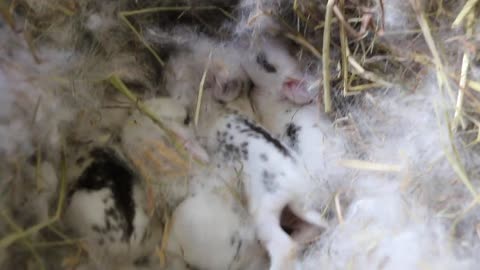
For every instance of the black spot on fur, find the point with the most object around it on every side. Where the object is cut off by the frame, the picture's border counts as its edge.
(268, 137)
(229, 147)
(109, 171)
(263, 157)
(268, 180)
(292, 134)
(245, 154)
(230, 151)
(229, 125)
(263, 62)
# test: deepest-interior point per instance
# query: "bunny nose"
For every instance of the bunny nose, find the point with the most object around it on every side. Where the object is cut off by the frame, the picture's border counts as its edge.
(296, 91)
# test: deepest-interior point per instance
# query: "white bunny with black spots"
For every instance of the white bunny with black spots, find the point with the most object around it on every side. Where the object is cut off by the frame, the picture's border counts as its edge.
(106, 208)
(269, 66)
(302, 127)
(274, 178)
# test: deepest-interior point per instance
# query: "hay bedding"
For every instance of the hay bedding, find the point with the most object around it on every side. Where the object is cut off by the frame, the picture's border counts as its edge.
(398, 86)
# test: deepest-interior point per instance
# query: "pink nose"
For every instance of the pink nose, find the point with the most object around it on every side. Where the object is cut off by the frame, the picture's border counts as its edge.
(296, 91)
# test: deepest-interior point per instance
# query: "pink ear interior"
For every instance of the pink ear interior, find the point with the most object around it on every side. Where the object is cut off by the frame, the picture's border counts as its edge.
(296, 91)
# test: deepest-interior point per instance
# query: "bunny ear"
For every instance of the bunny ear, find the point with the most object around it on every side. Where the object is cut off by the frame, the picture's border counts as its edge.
(296, 91)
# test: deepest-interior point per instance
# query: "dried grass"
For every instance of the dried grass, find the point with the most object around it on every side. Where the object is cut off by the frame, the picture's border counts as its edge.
(21, 234)
(357, 58)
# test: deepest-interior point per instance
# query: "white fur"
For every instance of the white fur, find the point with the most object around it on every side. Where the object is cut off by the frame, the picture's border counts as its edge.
(86, 213)
(391, 220)
(286, 69)
(140, 133)
(316, 141)
(210, 230)
(273, 177)
(86, 210)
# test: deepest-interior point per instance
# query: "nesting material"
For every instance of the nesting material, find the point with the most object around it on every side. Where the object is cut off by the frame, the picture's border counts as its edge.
(386, 232)
(392, 169)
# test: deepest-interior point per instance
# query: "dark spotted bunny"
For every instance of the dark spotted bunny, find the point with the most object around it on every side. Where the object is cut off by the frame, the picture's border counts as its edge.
(105, 207)
(303, 127)
(274, 178)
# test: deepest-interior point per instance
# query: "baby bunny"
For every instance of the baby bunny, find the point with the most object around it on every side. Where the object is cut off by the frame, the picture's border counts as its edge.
(105, 207)
(302, 127)
(267, 61)
(225, 78)
(210, 230)
(140, 129)
(147, 146)
(274, 178)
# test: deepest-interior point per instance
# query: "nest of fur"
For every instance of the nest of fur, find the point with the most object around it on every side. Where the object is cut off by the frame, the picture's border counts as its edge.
(399, 79)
